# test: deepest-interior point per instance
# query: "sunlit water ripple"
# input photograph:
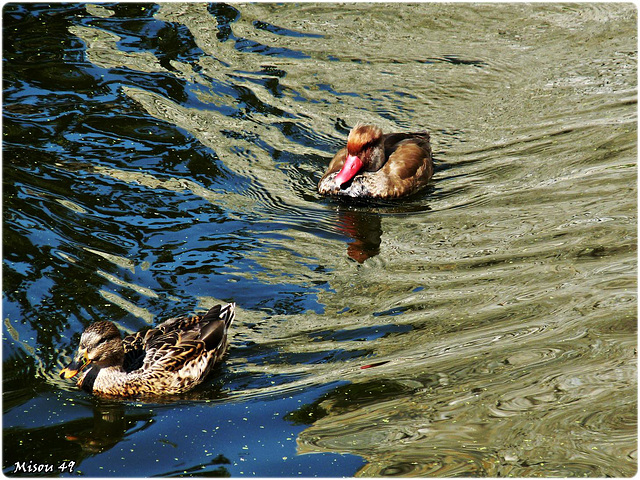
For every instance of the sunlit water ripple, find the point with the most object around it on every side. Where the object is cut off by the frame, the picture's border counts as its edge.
(161, 158)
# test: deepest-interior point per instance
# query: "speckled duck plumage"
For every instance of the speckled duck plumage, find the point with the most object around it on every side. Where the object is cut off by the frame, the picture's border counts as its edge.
(169, 359)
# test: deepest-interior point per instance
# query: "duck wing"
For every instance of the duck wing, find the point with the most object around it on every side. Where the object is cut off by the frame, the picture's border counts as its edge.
(175, 342)
(408, 168)
(392, 141)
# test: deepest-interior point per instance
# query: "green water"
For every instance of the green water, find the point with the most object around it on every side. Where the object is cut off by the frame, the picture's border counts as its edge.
(160, 158)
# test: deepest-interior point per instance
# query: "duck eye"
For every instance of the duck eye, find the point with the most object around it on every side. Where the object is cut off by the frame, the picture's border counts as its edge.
(103, 340)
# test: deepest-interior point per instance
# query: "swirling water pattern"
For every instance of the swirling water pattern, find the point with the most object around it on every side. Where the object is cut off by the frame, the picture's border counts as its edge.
(160, 158)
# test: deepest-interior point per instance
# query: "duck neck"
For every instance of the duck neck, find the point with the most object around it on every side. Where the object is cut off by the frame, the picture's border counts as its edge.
(97, 376)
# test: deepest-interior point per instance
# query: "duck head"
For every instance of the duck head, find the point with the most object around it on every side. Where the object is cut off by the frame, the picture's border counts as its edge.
(100, 345)
(365, 152)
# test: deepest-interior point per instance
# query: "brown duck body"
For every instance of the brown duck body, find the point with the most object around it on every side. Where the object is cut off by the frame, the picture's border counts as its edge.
(171, 358)
(378, 165)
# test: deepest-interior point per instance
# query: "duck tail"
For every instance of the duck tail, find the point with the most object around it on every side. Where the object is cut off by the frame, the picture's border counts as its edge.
(423, 135)
(217, 321)
(228, 313)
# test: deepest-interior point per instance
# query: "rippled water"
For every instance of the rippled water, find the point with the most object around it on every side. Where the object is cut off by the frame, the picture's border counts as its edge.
(160, 158)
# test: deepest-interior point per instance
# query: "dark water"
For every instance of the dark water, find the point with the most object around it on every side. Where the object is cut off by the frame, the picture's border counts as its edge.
(158, 159)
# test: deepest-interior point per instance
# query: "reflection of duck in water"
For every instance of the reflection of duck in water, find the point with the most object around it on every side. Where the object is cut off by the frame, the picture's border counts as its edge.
(365, 230)
(105, 430)
(379, 166)
(171, 358)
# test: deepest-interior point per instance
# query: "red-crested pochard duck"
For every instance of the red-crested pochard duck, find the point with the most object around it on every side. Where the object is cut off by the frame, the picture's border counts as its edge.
(374, 165)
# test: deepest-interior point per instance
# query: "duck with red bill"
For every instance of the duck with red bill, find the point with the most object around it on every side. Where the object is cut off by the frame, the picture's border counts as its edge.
(377, 165)
(351, 167)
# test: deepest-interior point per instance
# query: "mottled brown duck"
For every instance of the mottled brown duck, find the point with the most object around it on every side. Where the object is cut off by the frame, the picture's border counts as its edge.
(377, 165)
(169, 359)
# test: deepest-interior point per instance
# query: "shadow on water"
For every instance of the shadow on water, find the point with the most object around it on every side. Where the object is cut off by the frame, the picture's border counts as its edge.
(74, 439)
(361, 220)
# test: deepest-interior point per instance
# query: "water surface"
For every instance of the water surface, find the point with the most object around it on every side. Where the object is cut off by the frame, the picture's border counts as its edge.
(158, 159)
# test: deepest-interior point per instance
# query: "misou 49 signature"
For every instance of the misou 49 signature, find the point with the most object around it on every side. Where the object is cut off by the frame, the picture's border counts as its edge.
(35, 467)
